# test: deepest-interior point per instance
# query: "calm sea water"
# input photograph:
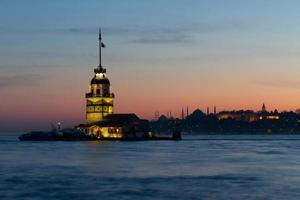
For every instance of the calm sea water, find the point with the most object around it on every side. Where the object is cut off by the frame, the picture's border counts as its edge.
(199, 167)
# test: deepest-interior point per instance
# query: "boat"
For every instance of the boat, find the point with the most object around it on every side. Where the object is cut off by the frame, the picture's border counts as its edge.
(56, 134)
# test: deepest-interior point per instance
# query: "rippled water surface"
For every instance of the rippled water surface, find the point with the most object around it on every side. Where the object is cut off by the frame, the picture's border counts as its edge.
(198, 167)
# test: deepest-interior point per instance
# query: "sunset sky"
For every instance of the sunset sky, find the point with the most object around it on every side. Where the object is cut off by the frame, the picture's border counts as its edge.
(161, 55)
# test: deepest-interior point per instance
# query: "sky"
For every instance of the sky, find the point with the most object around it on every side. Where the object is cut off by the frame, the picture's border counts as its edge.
(160, 55)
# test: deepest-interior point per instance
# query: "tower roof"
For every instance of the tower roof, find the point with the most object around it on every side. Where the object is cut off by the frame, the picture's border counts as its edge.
(96, 80)
(100, 77)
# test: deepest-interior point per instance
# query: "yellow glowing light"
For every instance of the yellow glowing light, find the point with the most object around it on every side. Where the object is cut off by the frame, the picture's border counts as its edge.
(99, 75)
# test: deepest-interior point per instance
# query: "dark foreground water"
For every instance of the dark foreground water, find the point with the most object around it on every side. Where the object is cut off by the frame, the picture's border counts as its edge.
(199, 167)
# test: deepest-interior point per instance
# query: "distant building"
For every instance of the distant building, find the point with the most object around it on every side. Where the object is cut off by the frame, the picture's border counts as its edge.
(100, 120)
(265, 115)
(269, 117)
(249, 115)
(241, 115)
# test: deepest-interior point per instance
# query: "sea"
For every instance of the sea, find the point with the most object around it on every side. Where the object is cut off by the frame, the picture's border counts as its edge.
(198, 167)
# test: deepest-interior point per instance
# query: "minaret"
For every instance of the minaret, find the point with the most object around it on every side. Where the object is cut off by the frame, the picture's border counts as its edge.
(207, 110)
(182, 114)
(263, 109)
(215, 110)
(187, 111)
(99, 100)
(156, 115)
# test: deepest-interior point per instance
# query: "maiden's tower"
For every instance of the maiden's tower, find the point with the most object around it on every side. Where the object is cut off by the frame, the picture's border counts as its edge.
(101, 121)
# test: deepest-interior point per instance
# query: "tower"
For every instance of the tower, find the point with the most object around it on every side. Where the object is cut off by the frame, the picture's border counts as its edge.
(156, 115)
(263, 108)
(182, 114)
(99, 99)
(187, 111)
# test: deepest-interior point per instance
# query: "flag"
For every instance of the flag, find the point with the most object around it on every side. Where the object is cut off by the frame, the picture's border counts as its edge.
(102, 45)
(100, 34)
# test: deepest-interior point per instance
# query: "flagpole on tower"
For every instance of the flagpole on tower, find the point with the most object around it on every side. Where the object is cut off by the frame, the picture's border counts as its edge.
(100, 46)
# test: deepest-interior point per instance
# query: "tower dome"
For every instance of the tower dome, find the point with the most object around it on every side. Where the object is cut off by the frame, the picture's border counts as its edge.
(100, 85)
(103, 80)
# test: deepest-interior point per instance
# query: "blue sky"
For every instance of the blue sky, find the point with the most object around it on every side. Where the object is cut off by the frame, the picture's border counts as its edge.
(163, 54)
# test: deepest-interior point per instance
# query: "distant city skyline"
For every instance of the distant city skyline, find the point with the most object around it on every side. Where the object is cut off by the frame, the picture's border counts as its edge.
(160, 56)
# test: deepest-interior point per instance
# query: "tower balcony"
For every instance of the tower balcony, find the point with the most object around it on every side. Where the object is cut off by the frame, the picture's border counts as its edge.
(112, 95)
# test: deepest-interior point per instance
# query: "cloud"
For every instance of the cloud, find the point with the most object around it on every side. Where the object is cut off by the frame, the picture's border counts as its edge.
(142, 34)
(278, 83)
(72, 31)
(19, 80)
(171, 39)
(177, 34)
